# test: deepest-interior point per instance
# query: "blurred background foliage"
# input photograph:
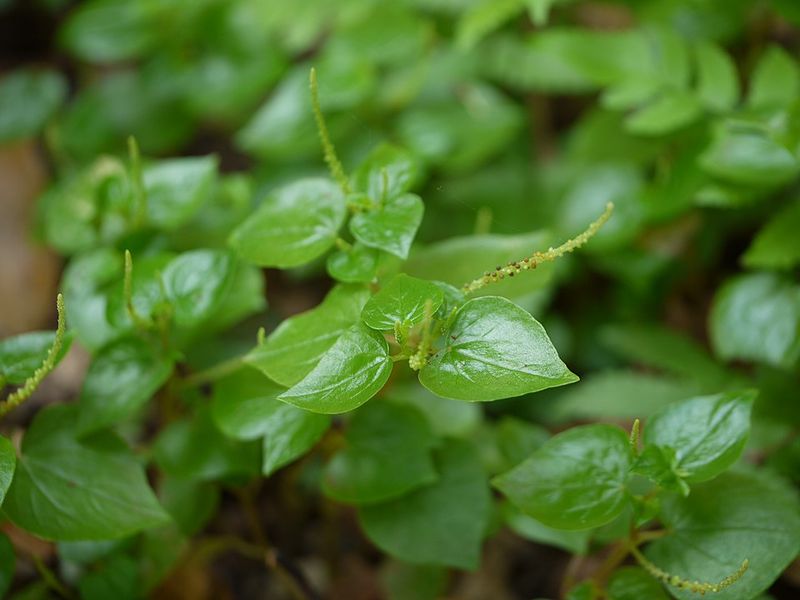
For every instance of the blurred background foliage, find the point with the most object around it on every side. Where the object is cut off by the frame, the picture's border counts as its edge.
(526, 117)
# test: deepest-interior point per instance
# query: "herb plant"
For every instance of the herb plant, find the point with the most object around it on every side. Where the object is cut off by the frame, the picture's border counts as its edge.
(419, 392)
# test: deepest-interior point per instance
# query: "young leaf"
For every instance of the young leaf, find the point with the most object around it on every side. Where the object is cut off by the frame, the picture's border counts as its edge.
(245, 406)
(194, 449)
(121, 379)
(196, 282)
(776, 245)
(660, 465)
(8, 463)
(401, 301)
(387, 454)
(717, 80)
(294, 225)
(387, 172)
(775, 82)
(352, 371)
(296, 346)
(757, 317)
(494, 349)
(738, 516)
(177, 188)
(65, 489)
(440, 524)
(390, 226)
(707, 433)
(27, 101)
(357, 264)
(576, 480)
(21, 355)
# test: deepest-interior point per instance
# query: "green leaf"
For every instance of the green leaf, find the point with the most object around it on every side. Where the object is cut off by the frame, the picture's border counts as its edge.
(413, 582)
(117, 578)
(196, 450)
(575, 542)
(8, 463)
(518, 439)
(748, 158)
(196, 283)
(756, 317)
(458, 260)
(717, 79)
(634, 583)
(387, 172)
(245, 406)
(775, 82)
(387, 453)
(121, 379)
(357, 264)
(660, 465)
(492, 350)
(390, 226)
(65, 489)
(707, 433)
(776, 245)
(484, 17)
(738, 516)
(22, 354)
(401, 301)
(177, 188)
(190, 503)
(352, 371)
(440, 524)
(28, 99)
(147, 291)
(576, 480)
(447, 417)
(294, 225)
(668, 113)
(7, 563)
(296, 346)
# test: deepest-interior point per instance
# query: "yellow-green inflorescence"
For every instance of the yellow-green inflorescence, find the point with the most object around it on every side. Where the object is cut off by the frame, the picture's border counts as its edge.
(515, 267)
(698, 587)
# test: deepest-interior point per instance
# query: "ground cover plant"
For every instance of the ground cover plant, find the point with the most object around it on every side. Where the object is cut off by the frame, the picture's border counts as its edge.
(472, 299)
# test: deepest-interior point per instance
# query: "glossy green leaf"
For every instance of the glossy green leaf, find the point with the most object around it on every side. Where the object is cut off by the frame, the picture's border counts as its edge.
(775, 82)
(660, 465)
(576, 542)
(576, 480)
(634, 583)
(494, 349)
(756, 317)
(147, 292)
(65, 489)
(352, 371)
(707, 433)
(196, 282)
(668, 113)
(440, 524)
(390, 226)
(387, 172)
(121, 379)
(245, 406)
(177, 188)
(717, 79)
(458, 260)
(401, 301)
(294, 225)
(28, 99)
(749, 158)
(8, 463)
(22, 354)
(776, 245)
(196, 450)
(291, 351)
(357, 264)
(7, 564)
(721, 523)
(387, 453)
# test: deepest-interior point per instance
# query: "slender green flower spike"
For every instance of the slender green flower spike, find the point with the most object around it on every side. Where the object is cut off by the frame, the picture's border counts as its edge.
(333, 162)
(49, 363)
(697, 587)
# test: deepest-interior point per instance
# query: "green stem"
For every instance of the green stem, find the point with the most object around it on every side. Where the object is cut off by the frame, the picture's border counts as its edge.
(50, 579)
(137, 181)
(214, 373)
